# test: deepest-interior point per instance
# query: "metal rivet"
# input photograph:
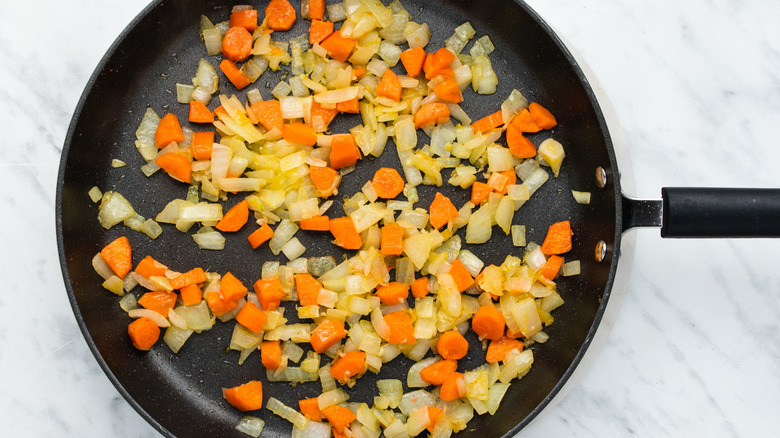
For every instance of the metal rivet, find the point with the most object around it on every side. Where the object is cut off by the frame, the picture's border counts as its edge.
(601, 250)
(601, 177)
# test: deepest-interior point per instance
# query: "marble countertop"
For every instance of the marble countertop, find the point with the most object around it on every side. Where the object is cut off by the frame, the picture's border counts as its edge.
(694, 350)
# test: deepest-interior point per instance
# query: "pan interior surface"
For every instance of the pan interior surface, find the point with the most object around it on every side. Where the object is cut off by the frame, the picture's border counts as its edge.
(180, 394)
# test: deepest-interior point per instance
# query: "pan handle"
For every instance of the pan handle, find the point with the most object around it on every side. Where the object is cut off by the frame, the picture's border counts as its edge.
(707, 212)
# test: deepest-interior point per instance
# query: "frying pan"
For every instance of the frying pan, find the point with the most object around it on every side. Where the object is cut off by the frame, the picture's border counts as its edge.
(180, 395)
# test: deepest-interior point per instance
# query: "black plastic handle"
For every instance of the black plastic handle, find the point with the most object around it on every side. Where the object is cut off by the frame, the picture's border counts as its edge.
(720, 212)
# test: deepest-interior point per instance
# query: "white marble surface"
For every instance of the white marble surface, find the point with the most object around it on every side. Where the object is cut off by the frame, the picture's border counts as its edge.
(694, 350)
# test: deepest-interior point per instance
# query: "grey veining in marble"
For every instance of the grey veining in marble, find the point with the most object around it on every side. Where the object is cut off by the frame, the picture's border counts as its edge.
(694, 350)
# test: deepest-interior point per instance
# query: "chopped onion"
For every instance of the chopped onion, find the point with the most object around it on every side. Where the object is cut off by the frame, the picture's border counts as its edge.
(212, 240)
(251, 426)
(571, 268)
(286, 412)
(128, 302)
(175, 337)
(114, 208)
(581, 197)
(151, 314)
(331, 398)
(283, 233)
(518, 235)
(552, 153)
(312, 429)
(479, 228)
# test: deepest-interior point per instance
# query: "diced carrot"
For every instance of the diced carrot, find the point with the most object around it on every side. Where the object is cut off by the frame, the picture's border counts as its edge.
(389, 86)
(271, 354)
(479, 192)
(439, 63)
(168, 130)
(191, 294)
(299, 133)
(323, 177)
(448, 91)
(231, 287)
(461, 275)
(119, 256)
(343, 230)
(420, 287)
(453, 388)
(525, 122)
(488, 323)
(543, 117)
(431, 114)
(269, 293)
(144, 333)
(499, 348)
(392, 293)
(338, 47)
(401, 328)
(487, 123)
(441, 211)
(202, 143)
(327, 334)
(343, 151)
(246, 397)
(319, 30)
(199, 113)
(160, 301)
(391, 241)
(437, 372)
(551, 267)
(519, 145)
(351, 106)
(509, 178)
(280, 15)
(252, 317)
(558, 239)
(310, 408)
(269, 114)
(260, 235)
(433, 416)
(443, 58)
(246, 18)
(308, 289)
(325, 115)
(413, 60)
(316, 9)
(348, 366)
(193, 276)
(233, 73)
(337, 434)
(149, 267)
(358, 72)
(237, 44)
(218, 305)
(235, 218)
(452, 345)
(177, 166)
(316, 223)
(339, 417)
(387, 183)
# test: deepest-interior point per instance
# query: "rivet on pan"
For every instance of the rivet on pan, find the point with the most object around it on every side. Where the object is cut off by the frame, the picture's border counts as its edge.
(601, 177)
(601, 250)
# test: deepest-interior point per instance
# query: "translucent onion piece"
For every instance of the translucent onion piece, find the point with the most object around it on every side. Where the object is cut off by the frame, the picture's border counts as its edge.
(251, 426)
(286, 412)
(151, 314)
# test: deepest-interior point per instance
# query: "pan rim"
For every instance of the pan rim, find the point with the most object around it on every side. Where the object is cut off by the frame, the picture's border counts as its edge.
(614, 254)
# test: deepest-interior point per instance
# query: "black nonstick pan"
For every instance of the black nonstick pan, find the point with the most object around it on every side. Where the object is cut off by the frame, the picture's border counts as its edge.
(180, 394)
